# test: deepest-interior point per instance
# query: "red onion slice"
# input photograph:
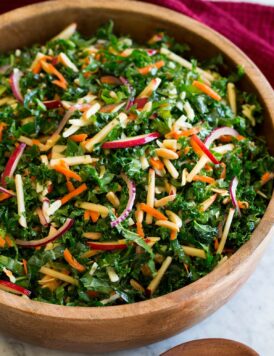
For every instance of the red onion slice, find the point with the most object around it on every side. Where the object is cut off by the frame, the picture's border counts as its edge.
(6, 191)
(52, 104)
(12, 163)
(35, 243)
(232, 191)
(132, 194)
(64, 121)
(151, 52)
(107, 246)
(14, 288)
(205, 149)
(15, 84)
(217, 133)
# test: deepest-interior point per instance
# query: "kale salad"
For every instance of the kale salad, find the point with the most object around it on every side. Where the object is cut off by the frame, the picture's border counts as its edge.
(127, 171)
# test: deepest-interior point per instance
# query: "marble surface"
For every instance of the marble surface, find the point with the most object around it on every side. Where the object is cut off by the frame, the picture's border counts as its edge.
(248, 317)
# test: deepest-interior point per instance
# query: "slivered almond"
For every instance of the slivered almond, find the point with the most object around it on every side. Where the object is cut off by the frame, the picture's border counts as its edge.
(113, 199)
(164, 201)
(166, 153)
(167, 224)
(170, 144)
(92, 235)
(171, 169)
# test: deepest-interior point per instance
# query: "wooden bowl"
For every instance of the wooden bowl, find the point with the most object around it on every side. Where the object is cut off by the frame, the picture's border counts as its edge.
(126, 326)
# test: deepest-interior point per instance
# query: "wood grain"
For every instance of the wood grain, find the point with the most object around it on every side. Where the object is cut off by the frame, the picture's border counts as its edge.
(211, 347)
(117, 327)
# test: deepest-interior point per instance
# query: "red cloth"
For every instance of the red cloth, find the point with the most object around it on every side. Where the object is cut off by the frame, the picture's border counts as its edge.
(249, 26)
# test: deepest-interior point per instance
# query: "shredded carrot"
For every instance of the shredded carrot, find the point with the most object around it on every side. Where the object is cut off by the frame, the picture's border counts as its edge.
(78, 138)
(94, 215)
(60, 84)
(86, 215)
(208, 167)
(72, 261)
(207, 90)
(2, 127)
(173, 235)
(4, 196)
(186, 133)
(37, 68)
(50, 69)
(204, 179)
(25, 266)
(61, 168)
(266, 177)
(70, 186)
(152, 211)
(2, 242)
(240, 137)
(225, 139)
(74, 193)
(186, 150)
(140, 230)
(145, 70)
(9, 241)
(132, 116)
(157, 164)
(223, 173)
(196, 148)
(108, 108)
(243, 204)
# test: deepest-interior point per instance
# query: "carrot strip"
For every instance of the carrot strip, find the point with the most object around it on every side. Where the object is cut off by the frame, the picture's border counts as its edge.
(70, 186)
(109, 79)
(140, 230)
(186, 133)
(2, 242)
(4, 196)
(86, 215)
(216, 244)
(196, 148)
(94, 215)
(207, 90)
(78, 138)
(60, 84)
(72, 261)
(9, 241)
(173, 235)
(266, 177)
(2, 127)
(74, 194)
(60, 168)
(145, 70)
(25, 266)
(152, 211)
(223, 173)
(204, 179)
(157, 164)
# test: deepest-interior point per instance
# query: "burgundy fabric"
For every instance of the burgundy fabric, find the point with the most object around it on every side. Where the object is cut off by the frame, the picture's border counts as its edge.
(249, 26)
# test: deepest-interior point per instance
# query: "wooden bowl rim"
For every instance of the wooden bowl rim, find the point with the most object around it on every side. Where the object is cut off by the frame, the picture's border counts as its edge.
(215, 278)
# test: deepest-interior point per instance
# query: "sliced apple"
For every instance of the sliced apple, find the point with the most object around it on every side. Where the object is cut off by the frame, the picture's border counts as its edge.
(132, 141)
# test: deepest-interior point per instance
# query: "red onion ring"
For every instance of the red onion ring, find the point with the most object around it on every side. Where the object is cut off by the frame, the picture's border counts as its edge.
(64, 121)
(35, 243)
(15, 84)
(132, 194)
(12, 163)
(232, 191)
(217, 133)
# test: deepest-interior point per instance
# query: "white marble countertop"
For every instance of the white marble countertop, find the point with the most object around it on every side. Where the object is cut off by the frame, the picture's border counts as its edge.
(248, 317)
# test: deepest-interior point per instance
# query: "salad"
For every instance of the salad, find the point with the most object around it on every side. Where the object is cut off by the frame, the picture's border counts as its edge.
(127, 171)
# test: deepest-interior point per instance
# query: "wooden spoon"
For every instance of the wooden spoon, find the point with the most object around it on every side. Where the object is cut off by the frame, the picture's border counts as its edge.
(211, 347)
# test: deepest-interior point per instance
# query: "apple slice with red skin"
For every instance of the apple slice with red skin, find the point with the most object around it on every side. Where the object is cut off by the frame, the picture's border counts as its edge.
(14, 288)
(131, 141)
